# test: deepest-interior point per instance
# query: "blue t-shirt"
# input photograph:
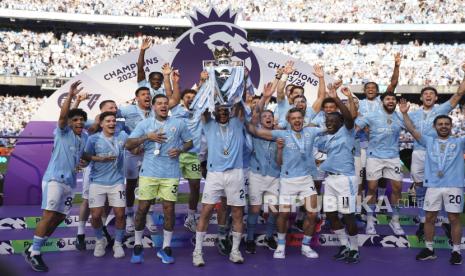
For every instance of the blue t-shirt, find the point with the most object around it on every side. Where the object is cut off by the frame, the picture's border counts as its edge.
(298, 152)
(156, 162)
(443, 157)
(384, 133)
(225, 145)
(247, 151)
(107, 173)
(153, 92)
(366, 106)
(263, 159)
(281, 112)
(133, 114)
(319, 119)
(194, 126)
(423, 121)
(339, 149)
(67, 151)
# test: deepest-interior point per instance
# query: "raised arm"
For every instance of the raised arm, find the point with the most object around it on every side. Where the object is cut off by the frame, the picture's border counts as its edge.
(350, 98)
(166, 70)
(279, 74)
(73, 91)
(288, 69)
(319, 73)
(203, 79)
(395, 74)
(176, 95)
(454, 100)
(79, 99)
(348, 120)
(146, 43)
(259, 132)
(404, 107)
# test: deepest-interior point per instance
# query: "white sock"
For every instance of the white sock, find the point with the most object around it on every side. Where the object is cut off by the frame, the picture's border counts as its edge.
(353, 242)
(167, 235)
(281, 241)
(236, 240)
(81, 227)
(199, 236)
(191, 214)
(456, 248)
(138, 237)
(342, 235)
(429, 245)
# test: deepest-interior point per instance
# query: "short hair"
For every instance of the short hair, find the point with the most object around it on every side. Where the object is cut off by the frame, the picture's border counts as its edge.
(370, 82)
(103, 103)
(327, 100)
(289, 85)
(295, 109)
(152, 74)
(388, 94)
(77, 112)
(102, 115)
(157, 97)
(428, 88)
(337, 114)
(188, 91)
(442, 117)
(296, 87)
(140, 89)
(256, 97)
(265, 111)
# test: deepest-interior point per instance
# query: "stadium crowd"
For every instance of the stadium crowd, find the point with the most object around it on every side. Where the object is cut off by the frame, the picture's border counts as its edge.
(327, 11)
(30, 53)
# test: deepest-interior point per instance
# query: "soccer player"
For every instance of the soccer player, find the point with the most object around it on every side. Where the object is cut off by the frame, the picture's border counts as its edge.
(225, 142)
(443, 179)
(296, 181)
(383, 157)
(156, 79)
(133, 114)
(340, 187)
(84, 212)
(163, 138)
(106, 150)
(423, 121)
(60, 177)
(189, 161)
(263, 177)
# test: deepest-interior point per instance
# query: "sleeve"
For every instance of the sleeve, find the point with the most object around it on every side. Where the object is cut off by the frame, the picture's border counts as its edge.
(138, 131)
(143, 83)
(123, 137)
(362, 122)
(61, 131)
(186, 135)
(310, 113)
(320, 142)
(424, 140)
(122, 111)
(278, 134)
(90, 146)
(445, 108)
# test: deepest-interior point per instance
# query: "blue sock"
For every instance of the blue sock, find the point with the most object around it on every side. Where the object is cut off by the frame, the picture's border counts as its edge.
(37, 243)
(251, 225)
(306, 240)
(99, 233)
(119, 235)
(270, 225)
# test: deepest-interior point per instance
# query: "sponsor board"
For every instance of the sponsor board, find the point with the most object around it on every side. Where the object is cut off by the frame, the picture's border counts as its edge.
(406, 220)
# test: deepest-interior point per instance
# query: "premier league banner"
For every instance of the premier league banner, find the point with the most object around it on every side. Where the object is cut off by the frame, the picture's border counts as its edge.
(116, 79)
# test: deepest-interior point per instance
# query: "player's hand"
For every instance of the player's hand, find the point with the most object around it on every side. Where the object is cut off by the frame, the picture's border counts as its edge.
(280, 143)
(268, 90)
(74, 89)
(175, 76)
(318, 71)
(279, 72)
(397, 59)
(337, 84)
(173, 153)
(158, 137)
(289, 67)
(82, 96)
(346, 92)
(332, 91)
(166, 69)
(146, 43)
(203, 76)
(404, 106)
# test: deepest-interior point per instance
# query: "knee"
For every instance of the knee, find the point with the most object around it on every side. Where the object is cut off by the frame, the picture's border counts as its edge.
(454, 218)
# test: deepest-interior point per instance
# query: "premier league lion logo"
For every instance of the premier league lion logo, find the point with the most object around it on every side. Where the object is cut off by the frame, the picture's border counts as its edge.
(210, 31)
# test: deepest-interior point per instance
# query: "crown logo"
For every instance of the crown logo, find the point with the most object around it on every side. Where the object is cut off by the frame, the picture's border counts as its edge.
(212, 15)
(223, 54)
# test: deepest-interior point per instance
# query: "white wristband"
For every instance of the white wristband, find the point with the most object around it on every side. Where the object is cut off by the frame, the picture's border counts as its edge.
(284, 77)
